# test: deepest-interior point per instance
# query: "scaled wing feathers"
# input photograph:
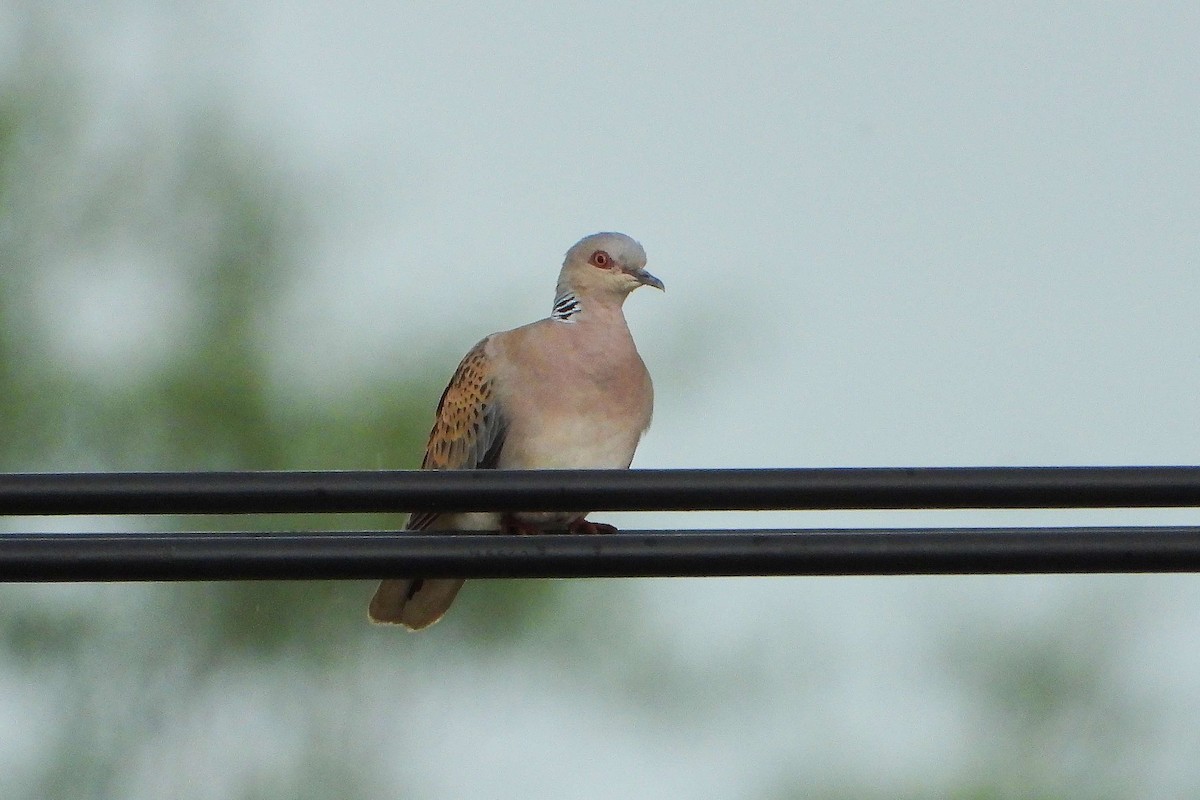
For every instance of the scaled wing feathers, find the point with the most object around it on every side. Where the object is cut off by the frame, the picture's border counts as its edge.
(469, 430)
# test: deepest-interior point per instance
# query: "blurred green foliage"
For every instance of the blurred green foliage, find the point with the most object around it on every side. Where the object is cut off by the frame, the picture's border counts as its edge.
(132, 669)
(218, 221)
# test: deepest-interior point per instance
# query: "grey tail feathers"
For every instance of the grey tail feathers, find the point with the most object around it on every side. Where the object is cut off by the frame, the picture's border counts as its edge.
(414, 603)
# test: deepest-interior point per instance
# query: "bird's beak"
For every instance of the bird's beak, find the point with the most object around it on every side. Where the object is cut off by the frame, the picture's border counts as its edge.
(646, 279)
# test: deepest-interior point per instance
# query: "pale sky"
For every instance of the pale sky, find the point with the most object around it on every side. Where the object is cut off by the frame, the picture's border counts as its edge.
(943, 235)
(928, 234)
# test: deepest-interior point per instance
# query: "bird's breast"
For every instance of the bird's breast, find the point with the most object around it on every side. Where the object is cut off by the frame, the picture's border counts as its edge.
(573, 410)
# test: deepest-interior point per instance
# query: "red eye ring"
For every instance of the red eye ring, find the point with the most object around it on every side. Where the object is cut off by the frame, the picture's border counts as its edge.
(600, 259)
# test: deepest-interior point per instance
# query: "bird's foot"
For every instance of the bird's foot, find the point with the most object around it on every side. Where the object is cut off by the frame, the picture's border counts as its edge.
(511, 525)
(590, 528)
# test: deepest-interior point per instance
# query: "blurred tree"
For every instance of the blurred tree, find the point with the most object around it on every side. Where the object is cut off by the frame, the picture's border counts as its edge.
(197, 211)
(128, 684)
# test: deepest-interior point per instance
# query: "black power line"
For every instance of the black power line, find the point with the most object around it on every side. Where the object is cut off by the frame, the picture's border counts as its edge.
(598, 490)
(329, 555)
(375, 554)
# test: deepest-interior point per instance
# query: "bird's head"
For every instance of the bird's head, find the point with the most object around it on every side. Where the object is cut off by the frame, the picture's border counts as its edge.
(605, 265)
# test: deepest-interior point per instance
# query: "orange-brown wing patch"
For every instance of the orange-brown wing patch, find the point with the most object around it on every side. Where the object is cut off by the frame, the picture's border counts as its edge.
(469, 430)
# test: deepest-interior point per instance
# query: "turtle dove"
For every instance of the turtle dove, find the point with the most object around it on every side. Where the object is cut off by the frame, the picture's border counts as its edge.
(566, 392)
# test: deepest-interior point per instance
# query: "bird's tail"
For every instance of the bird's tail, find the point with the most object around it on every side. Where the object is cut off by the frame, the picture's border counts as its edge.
(414, 603)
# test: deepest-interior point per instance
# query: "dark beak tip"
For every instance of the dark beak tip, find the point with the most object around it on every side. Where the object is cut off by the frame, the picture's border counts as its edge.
(649, 280)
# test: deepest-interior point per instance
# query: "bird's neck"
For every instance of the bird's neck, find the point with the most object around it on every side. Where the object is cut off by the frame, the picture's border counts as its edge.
(567, 306)
(572, 306)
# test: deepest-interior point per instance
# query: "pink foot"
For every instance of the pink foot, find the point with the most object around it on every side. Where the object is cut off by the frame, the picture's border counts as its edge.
(590, 528)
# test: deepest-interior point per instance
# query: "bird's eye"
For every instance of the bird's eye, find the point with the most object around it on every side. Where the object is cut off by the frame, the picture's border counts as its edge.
(600, 259)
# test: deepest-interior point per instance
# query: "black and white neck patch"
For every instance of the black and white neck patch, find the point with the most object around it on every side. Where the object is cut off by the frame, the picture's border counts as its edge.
(566, 306)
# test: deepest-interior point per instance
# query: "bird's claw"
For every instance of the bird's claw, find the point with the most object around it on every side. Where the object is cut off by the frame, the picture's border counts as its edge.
(512, 526)
(589, 528)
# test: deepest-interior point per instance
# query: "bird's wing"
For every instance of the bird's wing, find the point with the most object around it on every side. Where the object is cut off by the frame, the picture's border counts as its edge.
(470, 426)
